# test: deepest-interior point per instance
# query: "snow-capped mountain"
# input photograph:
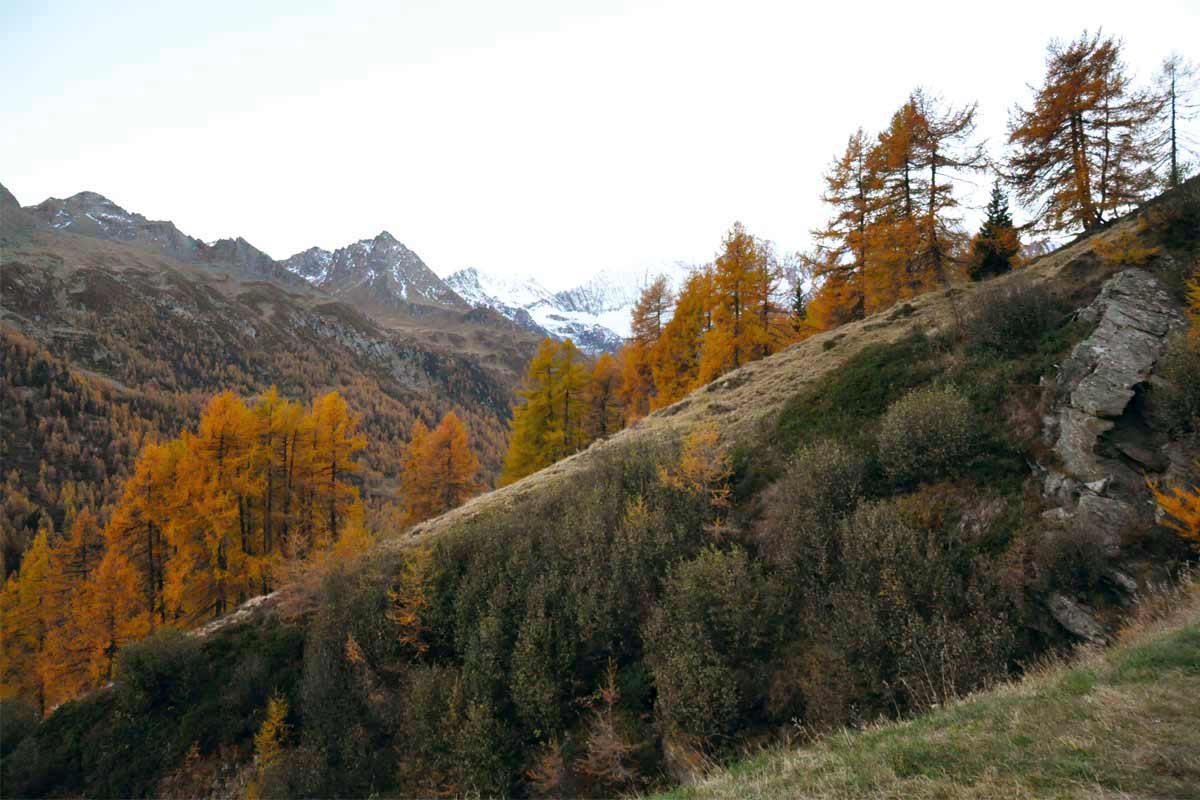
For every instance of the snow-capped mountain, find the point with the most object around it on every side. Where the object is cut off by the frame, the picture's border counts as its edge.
(379, 271)
(595, 314)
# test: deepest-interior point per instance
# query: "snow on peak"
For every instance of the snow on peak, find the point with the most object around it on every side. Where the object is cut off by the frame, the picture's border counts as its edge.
(595, 314)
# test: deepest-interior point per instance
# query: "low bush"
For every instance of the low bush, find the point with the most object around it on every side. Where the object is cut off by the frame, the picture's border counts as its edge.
(823, 482)
(1010, 320)
(926, 435)
(845, 402)
(704, 638)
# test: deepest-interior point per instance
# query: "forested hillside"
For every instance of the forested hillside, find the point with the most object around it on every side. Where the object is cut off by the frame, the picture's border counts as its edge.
(108, 346)
(766, 519)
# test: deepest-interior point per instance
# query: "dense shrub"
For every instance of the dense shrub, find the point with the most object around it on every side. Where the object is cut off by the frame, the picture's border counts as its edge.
(1175, 397)
(707, 632)
(918, 606)
(17, 720)
(845, 402)
(926, 434)
(162, 670)
(1069, 560)
(1010, 320)
(823, 482)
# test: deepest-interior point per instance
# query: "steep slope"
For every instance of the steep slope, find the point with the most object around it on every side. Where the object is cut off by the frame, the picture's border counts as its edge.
(617, 620)
(1115, 723)
(379, 272)
(107, 340)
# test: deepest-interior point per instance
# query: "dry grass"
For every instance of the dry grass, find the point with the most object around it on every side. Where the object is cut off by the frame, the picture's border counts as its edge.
(1122, 722)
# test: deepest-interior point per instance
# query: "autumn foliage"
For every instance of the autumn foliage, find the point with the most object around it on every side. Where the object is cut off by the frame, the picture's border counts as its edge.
(440, 471)
(205, 522)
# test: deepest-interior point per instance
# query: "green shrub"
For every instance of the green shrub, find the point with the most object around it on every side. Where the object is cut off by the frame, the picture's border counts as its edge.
(823, 482)
(710, 627)
(1070, 560)
(17, 720)
(926, 435)
(843, 402)
(917, 610)
(1011, 320)
(160, 671)
(1175, 399)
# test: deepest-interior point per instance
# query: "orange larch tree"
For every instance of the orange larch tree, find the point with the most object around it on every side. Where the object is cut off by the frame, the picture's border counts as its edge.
(440, 471)
(1079, 154)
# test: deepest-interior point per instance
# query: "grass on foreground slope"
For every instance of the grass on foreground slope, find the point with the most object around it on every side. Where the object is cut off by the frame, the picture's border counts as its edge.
(1123, 722)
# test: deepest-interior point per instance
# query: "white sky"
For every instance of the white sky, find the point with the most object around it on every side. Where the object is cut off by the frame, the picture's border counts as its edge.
(538, 137)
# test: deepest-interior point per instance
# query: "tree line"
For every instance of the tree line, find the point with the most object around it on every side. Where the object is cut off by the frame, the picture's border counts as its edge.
(1089, 146)
(727, 314)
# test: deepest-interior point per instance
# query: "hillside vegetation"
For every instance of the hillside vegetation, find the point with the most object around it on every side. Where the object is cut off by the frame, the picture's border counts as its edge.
(1118, 722)
(943, 464)
(850, 528)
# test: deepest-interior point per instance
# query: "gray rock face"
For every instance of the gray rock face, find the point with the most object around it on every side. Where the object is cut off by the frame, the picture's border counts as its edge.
(1097, 490)
(1135, 315)
(381, 270)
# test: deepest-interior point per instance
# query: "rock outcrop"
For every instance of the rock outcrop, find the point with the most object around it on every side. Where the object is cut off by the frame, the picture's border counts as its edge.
(1103, 443)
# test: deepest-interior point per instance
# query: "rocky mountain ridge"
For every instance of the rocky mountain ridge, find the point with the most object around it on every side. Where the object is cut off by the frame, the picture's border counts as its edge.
(379, 275)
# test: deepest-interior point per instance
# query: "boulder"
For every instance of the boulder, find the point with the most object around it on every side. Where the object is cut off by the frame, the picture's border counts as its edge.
(1076, 618)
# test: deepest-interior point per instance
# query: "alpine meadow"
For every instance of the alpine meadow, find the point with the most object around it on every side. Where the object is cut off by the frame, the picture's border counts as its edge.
(899, 500)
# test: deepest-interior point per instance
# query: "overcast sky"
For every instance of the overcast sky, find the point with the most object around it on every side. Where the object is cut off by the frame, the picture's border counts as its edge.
(545, 137)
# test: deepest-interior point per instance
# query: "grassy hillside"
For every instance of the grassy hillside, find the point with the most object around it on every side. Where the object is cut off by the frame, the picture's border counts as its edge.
(1116, 722)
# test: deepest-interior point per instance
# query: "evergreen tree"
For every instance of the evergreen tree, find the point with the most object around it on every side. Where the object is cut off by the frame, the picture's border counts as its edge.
(995, 248)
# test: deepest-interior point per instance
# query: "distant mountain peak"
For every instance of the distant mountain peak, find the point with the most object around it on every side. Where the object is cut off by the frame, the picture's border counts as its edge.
(595, 319)
(381, 271)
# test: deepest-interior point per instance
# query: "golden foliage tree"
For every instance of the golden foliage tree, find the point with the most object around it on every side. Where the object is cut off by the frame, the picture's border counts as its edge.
(1079, 152)
(648, 317)
(549, 424)
(839, 267)
(605, 408)
(440, 471)
(204, 522)
(676, 355)
(1182, 507)
(25, 624)
(745, 318)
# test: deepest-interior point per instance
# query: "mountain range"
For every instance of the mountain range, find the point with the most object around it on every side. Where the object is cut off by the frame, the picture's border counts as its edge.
(379, 276)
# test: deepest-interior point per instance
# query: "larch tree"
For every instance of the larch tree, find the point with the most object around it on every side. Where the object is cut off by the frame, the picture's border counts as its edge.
(648, 317)
(744, 279)
(63, 660)
(605, 409)
(840, 261)
(945, 150)
(676, 357)
(337, 441)
(1079, 154)
(138, 528)
(894, 237)
(111, 614)
(549, 424)
(1178, 95)
(440, 471)
(212, 521)
(25, 623)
